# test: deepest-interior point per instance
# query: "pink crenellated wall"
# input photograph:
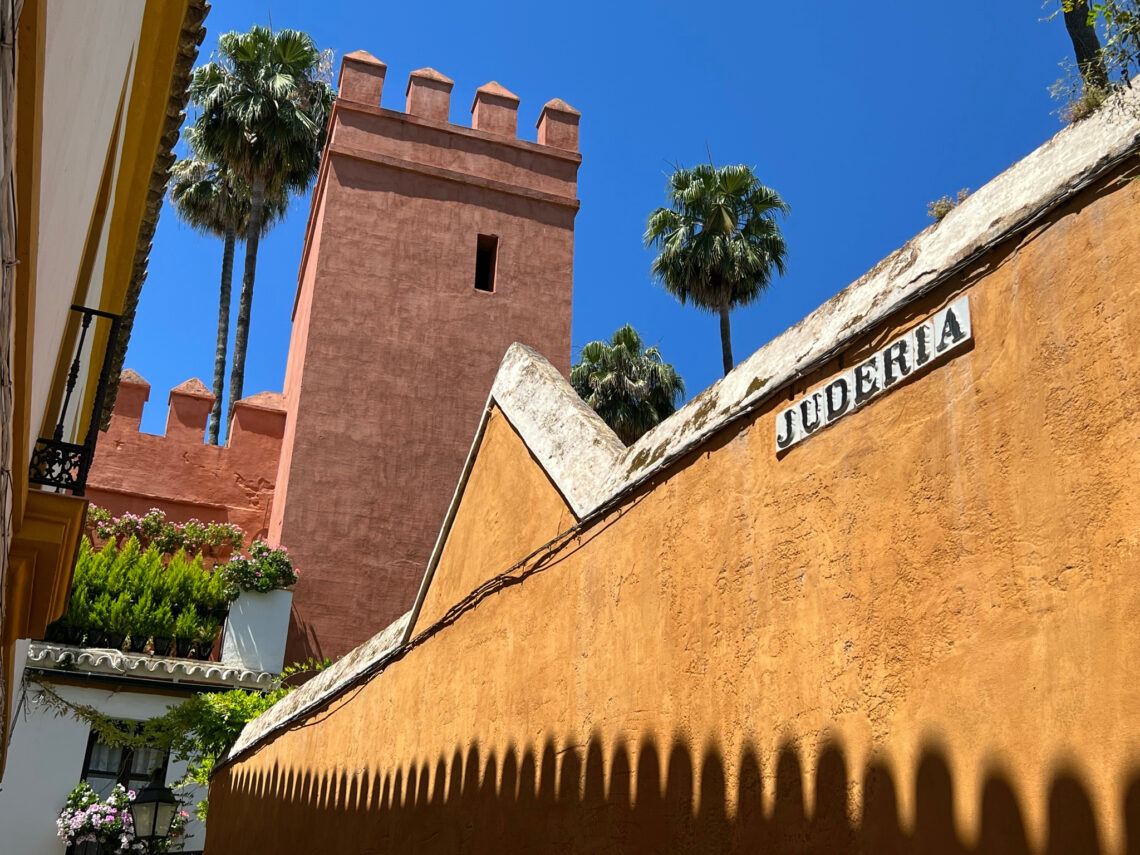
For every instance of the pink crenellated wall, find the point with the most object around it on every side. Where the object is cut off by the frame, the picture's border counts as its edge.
(178, 472)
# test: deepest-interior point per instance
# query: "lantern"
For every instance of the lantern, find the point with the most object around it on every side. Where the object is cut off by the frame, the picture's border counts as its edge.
(153, 810)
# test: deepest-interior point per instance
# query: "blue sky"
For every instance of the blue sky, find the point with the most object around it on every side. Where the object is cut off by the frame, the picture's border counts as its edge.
(858, 114)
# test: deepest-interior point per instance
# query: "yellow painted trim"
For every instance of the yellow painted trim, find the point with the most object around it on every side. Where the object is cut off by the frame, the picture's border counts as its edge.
(41, 563)
(146, 121)
(30, 40)
(53, 524)
(17, 596)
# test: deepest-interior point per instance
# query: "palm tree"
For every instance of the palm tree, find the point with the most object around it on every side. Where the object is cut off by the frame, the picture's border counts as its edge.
(263, 108)
(630, 387)
(211, 200)
(719, 242)
(1086, 45)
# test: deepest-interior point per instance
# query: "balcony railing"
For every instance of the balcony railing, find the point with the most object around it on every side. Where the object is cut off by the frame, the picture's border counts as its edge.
(60, 461)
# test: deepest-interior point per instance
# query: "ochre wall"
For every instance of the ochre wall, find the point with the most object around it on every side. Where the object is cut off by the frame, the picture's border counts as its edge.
(917, 631)
(393, 350)
(179, 473)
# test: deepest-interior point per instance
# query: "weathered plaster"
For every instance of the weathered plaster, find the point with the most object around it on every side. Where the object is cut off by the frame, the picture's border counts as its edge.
(581, 458)
(329, 681)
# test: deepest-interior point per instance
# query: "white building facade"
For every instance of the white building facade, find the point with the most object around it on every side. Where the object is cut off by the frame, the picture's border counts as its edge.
(51, 752)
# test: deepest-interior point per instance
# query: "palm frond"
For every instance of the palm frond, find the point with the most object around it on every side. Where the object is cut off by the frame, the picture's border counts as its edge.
(718, 243)
(262, 107)
(629, 386)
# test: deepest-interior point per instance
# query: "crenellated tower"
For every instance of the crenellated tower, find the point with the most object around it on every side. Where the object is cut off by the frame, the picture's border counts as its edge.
(430, 248)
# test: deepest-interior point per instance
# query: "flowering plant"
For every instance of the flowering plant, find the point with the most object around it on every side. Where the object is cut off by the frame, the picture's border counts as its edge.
(178, 825)
(266, 569)
(169, 537)
(86, 819)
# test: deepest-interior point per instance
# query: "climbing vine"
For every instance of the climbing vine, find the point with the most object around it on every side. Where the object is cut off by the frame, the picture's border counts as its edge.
(198, 730)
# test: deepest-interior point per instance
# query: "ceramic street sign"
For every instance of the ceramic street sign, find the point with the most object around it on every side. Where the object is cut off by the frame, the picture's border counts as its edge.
(914, 352)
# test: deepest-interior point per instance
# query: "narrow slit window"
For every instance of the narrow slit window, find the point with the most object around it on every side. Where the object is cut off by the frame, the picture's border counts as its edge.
(486, 255)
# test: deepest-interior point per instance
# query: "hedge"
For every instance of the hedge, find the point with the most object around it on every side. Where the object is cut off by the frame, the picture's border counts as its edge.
(129, 598)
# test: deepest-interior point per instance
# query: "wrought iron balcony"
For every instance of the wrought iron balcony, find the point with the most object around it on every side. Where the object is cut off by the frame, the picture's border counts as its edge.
(64, 463)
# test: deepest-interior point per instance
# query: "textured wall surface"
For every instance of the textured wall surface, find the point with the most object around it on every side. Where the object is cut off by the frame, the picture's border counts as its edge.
(179, 473)
(916, 631)
(394, 350)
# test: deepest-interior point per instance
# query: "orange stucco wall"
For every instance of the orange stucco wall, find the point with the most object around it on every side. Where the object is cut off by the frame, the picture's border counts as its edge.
(917, 631)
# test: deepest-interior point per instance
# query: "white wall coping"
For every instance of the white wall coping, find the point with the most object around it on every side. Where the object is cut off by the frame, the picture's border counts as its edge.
(590, 466)
(326, 684)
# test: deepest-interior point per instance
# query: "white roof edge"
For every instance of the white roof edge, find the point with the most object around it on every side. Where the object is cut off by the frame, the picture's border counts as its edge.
(576, 448)
(590, 466)
(64, 658)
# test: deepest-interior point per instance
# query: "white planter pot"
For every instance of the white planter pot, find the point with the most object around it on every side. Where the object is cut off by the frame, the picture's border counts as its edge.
(256, 629)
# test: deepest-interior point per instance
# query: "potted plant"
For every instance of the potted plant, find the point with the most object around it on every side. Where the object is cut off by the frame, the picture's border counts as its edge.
(208, 629)
(141, 622)
(118, 620)
(219, 540)
(98, 521)
(72, 629)
(185, 631)
(259, 614)
(96, 827)
(161, 629)
(177, 829)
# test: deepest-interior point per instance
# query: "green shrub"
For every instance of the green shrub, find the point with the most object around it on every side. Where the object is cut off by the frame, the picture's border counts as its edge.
(180, 580)
(79, 606)
(130, 592)
(101, 612)
(208, 631)
(161, 622)
(122, 616)
(186, 625)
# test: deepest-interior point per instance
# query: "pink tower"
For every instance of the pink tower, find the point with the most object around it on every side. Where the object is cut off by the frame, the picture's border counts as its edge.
(430, 248)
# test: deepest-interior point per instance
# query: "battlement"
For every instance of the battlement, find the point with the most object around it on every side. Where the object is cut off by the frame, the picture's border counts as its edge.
(178, 472)
(494, 112)
(257, 418)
